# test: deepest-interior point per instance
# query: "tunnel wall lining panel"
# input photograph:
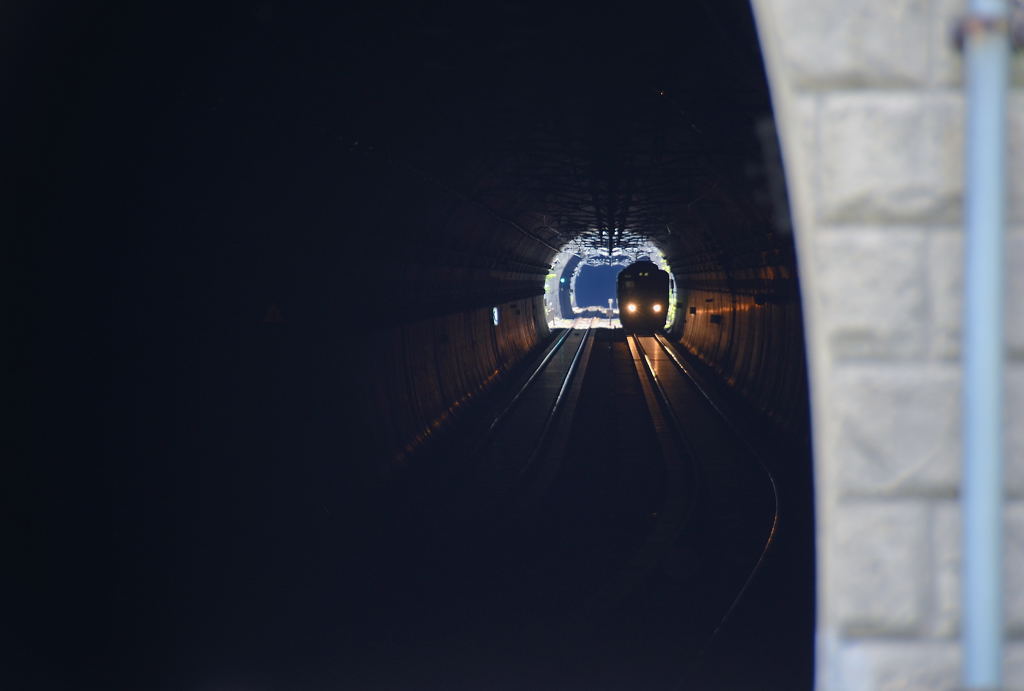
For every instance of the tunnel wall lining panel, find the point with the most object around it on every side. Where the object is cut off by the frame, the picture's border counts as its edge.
(431, 368)
(757, 349)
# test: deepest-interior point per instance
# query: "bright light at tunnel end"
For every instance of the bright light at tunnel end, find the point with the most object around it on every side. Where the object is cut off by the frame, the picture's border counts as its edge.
(560, 285)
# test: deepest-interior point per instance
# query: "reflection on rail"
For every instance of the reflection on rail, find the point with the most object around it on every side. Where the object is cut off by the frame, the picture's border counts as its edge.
(556, 407)
(522, 432)
(760, 462)
(659, 379)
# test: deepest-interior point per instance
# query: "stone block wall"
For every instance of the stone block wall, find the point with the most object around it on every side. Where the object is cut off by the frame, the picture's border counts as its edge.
(869, 104)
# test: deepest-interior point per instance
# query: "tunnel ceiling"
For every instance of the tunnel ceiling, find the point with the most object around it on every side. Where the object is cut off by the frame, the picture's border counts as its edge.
(604, 127)
(461, 144)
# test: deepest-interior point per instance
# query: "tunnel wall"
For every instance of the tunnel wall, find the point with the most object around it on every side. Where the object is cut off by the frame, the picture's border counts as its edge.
(449, 260)
(869, 98)
(751, 336)
(432, 367)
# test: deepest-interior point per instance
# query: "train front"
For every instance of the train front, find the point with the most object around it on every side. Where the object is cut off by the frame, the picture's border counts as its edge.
(643, 297)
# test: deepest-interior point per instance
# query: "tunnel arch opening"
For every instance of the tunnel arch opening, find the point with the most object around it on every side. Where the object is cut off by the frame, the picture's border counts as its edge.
(595, 287)
(562, 304)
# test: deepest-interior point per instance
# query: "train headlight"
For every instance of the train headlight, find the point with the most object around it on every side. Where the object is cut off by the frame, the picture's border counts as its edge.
(656, 308)
(631, 307)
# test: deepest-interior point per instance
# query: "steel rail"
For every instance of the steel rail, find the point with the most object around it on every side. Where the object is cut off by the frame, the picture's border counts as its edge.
(674, 445)
(556, 406)
(522, 390)
(665, 401)
(764, 467)
(552, 414)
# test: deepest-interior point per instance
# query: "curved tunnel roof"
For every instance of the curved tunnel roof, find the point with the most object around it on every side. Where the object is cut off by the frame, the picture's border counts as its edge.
(465, 144)
(512, 134)
(211, 202)
(574, 125)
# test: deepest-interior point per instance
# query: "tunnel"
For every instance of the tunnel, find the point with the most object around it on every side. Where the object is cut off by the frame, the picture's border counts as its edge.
(272, 262)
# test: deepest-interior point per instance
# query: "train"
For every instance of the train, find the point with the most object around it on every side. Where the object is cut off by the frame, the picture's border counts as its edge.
(643, 297)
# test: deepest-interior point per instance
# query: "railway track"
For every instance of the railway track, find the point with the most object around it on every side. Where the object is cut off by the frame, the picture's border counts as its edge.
(735, 495)
(752, 454)
(608, 526)
(534, 424)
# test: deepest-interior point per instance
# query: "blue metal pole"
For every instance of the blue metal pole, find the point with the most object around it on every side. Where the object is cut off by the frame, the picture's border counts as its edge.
(987, 68)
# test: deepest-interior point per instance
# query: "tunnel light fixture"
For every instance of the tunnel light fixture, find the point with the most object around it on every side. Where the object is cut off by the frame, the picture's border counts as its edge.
(656, 308)
(631, 307)
(494, 315)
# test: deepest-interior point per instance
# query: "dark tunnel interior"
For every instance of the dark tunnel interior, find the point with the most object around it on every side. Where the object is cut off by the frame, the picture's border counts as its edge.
(257, 250)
